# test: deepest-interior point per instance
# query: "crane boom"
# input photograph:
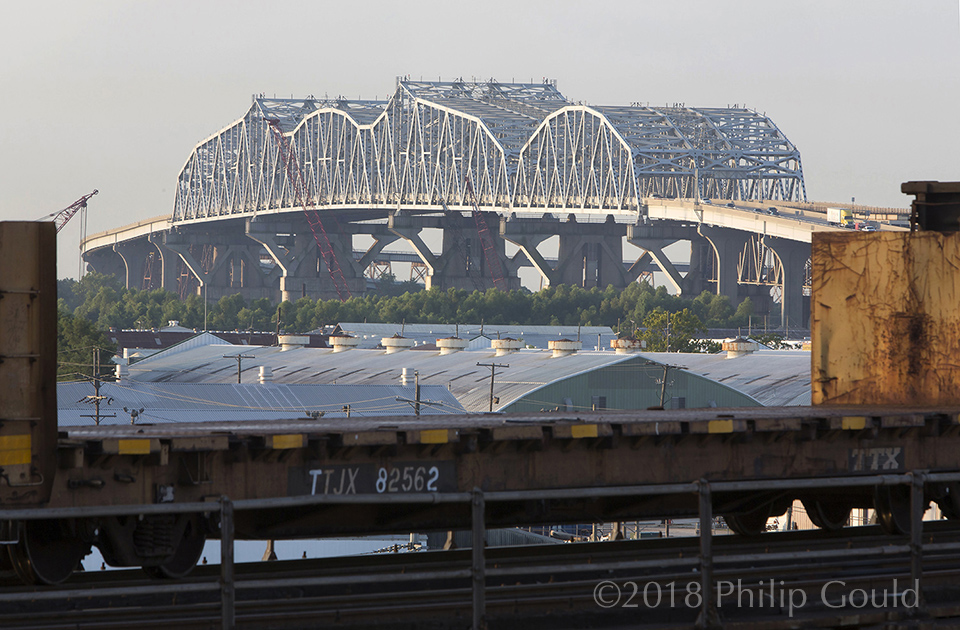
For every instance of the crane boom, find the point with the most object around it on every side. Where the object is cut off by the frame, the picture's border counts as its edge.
(486, 239)
(313, 217)
(60, 218)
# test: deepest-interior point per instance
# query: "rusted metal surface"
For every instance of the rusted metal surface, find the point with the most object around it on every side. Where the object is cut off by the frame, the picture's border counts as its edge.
(535, 452)
(28, 348)
(885, 318)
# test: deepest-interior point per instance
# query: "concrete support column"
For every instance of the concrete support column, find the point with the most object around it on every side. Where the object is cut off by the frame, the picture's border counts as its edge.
(654, 248)
(406, 228)
(727, 247)
(171, 243)
(795, 306)
(300, 266)
(653, 237)
(525, 236)
(465, 264)
(590, 254)
(702, 262)
(134, 254)
(379, 242)
(105, 260)
(169, 269)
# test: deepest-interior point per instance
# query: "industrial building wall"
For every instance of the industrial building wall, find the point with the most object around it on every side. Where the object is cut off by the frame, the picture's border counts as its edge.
(632, 384)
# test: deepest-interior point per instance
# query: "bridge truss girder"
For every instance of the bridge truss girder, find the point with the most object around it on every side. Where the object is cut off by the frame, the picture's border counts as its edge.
(524, 147)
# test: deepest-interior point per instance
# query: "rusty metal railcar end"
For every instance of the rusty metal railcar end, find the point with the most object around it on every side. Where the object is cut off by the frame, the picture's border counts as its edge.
(884, 319)
(28, 362)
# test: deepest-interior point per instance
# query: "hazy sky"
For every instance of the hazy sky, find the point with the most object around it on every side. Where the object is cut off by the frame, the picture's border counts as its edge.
(114, 95)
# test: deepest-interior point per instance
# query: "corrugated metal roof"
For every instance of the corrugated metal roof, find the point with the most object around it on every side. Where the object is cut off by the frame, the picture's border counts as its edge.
(458, 372)
(221, 402)
(770, 377)
(775, 378)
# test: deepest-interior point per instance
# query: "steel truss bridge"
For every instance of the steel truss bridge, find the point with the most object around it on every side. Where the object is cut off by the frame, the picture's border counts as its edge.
(524, 147)
(520, 154)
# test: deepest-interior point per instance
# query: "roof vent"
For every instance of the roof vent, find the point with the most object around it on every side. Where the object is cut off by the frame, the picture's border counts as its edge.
(563, 347)
(122, 371)
(396, 343)
(342, 343)
(628, 345)
(739, 347)
(292, 342)
(408, 376)
(451, 345)
(505, 345)
(266, 374)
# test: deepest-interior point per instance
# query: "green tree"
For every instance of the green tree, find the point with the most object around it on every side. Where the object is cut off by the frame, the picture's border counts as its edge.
(672, 332)
(76, 340)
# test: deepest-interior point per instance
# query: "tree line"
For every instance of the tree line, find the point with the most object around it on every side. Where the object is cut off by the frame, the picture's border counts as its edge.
(98, 302)
(101, 300)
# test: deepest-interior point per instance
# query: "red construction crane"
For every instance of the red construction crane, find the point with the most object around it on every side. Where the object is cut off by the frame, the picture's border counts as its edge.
(486, 239)
(60, 218)
(295, 175)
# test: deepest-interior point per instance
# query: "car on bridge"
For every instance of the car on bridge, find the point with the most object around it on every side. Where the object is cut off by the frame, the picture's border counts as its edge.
(772, 211)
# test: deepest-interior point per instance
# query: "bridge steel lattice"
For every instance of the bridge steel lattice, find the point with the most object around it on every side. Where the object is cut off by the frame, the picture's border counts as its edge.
(389, 169)
(523, 146)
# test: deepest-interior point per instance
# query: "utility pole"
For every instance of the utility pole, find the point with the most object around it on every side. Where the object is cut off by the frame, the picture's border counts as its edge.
(239, 358)
(96, 398)
(663, 385)
(668, 335)
(416, 406)
(493, 370)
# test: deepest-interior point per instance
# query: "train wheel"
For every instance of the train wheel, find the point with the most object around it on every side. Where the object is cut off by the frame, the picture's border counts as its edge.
(184, 558)
(893, 508)
(46, 552)
(748, 523)
(828, 516)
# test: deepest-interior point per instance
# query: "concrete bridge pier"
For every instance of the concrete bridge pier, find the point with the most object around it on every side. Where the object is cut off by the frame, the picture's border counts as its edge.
(590, 254)
(106, 260)
(463, 264)
(726, 246)
(524, 234)
(382, 237)
(795, 306)
(408, 228)
(169, 265)
(223, 263)
(134, 255)
(301, 269)
(653, 238)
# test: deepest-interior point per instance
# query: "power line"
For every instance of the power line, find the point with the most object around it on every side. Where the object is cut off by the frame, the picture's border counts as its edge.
(493, 371)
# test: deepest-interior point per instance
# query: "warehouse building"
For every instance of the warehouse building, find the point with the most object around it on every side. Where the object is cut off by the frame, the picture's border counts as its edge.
(562, 377)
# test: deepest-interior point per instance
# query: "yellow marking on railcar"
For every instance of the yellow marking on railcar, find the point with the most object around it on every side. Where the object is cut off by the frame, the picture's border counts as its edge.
(133, 447)
(583, 431)
(853, 423)
(434, 436)
(15, 449)
(294, 440)
(720, 426)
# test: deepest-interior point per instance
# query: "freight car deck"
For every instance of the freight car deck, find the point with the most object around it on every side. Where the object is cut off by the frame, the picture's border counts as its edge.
(397, 474)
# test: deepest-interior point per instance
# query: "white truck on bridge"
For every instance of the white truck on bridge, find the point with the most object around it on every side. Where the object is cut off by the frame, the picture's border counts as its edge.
(840, 216)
